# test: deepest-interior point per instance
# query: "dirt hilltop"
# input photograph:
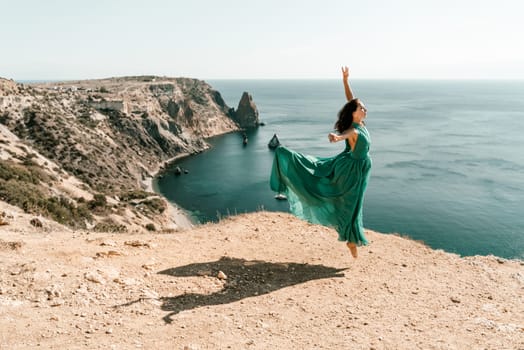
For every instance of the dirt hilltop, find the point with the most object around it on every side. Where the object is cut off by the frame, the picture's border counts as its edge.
(254, 281)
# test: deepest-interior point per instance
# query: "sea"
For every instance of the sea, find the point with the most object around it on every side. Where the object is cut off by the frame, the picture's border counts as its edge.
(448, 158)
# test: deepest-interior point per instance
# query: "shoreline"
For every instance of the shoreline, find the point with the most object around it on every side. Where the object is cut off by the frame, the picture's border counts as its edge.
(178, 216)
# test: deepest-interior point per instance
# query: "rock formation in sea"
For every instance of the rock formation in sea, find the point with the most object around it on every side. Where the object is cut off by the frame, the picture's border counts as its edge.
(246, 114)
(274, 142)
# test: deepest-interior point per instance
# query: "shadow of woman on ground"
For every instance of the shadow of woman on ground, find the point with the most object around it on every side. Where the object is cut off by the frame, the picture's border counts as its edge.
(244, 279)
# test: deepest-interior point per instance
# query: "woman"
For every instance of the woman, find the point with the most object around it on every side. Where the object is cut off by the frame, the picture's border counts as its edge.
(330, 191)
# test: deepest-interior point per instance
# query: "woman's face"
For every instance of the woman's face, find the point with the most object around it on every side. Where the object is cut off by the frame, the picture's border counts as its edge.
(360, 113)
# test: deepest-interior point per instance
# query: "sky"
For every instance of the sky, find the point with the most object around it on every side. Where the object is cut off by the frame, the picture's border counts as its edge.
(269, 39)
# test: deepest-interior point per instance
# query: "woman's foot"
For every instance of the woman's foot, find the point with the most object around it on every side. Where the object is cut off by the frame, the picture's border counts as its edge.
(353, 249)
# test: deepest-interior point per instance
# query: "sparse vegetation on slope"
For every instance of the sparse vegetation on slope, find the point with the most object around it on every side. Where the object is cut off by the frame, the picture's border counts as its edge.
(110, 134)
(22, 186)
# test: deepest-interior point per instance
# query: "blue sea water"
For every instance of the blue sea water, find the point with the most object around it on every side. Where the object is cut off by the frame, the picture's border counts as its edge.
(448, 158)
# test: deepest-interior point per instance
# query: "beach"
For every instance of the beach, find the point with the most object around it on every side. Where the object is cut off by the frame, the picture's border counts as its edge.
(181, 219)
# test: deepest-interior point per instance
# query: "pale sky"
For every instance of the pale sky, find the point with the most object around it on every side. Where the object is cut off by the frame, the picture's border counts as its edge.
(249, 39)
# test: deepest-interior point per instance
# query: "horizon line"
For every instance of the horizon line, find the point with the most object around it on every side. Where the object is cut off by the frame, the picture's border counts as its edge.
(273, 79)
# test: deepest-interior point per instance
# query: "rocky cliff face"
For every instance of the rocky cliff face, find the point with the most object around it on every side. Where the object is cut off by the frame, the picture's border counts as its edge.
(246, 114)
(110, 134)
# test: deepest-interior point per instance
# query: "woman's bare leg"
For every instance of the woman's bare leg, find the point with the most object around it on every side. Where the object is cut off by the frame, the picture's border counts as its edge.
(353, 249)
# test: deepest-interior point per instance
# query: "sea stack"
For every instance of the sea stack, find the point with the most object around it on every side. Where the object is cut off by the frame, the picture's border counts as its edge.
(246, 114)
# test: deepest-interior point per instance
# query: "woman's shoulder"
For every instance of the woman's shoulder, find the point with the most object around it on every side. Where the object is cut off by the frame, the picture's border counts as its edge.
(353, 131)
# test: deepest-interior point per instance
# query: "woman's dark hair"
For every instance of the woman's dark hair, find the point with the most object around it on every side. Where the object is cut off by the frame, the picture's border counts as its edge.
(345, 116)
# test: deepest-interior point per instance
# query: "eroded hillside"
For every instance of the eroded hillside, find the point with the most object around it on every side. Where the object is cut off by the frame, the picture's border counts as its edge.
(104, 139)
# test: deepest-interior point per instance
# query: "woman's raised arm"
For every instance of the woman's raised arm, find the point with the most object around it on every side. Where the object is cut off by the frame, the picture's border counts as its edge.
(347, 88)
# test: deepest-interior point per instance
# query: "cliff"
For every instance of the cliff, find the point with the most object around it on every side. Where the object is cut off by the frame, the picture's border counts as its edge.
(285, 284)
(83, 151)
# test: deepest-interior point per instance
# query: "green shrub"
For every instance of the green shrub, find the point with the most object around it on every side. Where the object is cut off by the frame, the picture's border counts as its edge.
(4, 118)
(109, 225)
(29, 162)
(19, 187)
(11, 171)
(37, 172)
(31, 199)
(136, 194)
(155, 205)
(98, 204)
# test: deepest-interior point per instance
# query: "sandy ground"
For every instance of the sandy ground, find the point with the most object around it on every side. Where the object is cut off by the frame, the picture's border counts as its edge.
(254, 281)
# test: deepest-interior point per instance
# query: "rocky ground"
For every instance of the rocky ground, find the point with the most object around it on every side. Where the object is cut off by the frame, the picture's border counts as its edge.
(254, 281)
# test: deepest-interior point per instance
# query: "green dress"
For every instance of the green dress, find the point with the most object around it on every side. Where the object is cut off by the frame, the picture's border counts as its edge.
(326, 191)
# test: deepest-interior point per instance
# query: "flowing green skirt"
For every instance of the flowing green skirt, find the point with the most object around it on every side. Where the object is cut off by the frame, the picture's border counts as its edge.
(325, 191)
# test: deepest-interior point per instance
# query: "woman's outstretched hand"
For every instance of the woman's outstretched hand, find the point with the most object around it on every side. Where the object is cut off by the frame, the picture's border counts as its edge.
(347, 88)
(332, 137)
(345, 72)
